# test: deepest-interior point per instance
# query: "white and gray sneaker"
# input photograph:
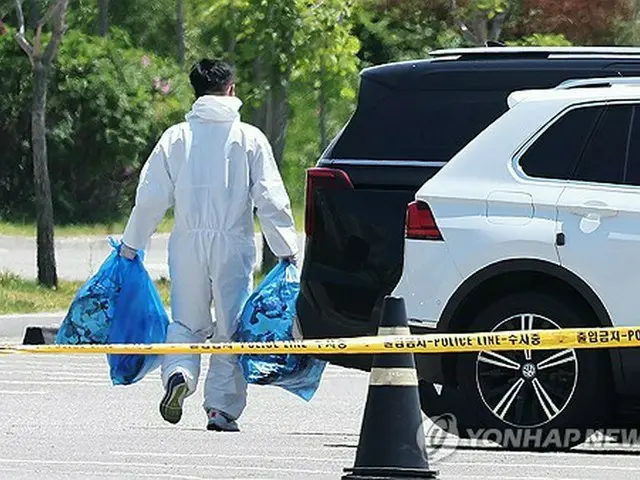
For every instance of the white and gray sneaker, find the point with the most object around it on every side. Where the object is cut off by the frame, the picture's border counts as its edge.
(171, 404)
(221, 422)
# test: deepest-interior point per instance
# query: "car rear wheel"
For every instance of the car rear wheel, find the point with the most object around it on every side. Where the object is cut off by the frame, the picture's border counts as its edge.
(534, 399)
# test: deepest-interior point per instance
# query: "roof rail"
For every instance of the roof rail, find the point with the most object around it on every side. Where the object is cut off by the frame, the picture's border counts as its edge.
(597, 82)
(536, 51)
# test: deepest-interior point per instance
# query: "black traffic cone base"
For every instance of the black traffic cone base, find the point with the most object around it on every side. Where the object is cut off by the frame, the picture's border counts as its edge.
(388, 473)
(389, 446)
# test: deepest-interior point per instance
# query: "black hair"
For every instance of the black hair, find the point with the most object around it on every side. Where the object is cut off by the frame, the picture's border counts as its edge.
(211, 77)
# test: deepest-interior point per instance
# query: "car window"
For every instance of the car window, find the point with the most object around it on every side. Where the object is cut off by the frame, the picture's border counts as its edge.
(603, 159)
(632, 163)
(427, 126)
(556, 152)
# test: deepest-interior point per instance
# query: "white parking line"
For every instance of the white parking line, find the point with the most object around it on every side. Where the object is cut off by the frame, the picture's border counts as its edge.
(525, 477)
(102, 372)
(541, 465)
(57, 373)
(86, 473)
(53, 364)
(21, 392)
(222, 455)
(160, 465)
(80, 384)
(612, 449)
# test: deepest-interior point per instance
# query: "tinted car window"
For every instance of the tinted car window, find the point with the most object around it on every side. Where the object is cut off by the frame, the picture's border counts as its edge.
(632, 163)
(556, 152)
(408, 125)
(603, 159)
(429, 110)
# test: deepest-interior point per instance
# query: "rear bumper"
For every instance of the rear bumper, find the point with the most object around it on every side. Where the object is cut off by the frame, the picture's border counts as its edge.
(429, 279)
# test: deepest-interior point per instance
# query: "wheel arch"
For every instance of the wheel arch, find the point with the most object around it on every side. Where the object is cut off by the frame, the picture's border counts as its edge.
(515, 275)
(518, 270)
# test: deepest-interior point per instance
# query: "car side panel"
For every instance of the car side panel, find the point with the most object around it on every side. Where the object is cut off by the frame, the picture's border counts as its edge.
(474, 238)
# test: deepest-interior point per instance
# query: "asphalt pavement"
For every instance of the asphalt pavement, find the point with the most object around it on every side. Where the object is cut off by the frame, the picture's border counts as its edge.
(62, 419)
(78, 258)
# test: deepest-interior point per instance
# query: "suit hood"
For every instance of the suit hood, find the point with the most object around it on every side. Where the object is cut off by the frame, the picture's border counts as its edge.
(214, 108)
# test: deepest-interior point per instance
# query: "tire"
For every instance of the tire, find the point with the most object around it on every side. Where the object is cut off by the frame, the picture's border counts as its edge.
(443, 408)
(536, 400)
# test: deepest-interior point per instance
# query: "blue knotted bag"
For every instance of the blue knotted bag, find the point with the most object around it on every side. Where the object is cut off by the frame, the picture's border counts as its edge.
(119, 304)
(269, 315)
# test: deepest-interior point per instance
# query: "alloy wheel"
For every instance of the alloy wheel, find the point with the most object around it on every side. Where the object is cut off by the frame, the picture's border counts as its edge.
(526, 388)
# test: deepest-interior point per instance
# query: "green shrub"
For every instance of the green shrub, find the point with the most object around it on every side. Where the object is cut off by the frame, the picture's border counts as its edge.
(107, 105)
(16, 182)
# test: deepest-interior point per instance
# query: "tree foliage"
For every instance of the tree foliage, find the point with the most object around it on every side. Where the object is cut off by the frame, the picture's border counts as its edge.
(589, 23)
(476, 21)
(395, 30)
(110, 105)
(297, 61)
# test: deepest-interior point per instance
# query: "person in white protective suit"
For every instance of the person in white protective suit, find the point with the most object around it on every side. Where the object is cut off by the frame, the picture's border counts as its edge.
(212, 169)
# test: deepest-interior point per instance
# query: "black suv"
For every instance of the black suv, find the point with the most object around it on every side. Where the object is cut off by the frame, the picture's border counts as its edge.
(411, 118)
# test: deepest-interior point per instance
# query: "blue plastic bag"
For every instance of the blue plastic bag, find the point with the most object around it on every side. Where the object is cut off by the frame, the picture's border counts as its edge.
(269, 314)
(90, 315)
(119, 304)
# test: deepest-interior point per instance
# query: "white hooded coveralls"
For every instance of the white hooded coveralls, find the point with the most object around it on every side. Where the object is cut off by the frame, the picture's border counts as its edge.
(212, 169)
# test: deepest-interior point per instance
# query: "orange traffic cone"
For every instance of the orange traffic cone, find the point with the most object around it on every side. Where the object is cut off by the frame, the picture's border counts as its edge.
(392, 437)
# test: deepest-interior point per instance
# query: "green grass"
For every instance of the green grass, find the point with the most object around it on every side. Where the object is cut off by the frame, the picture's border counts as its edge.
(26, 296)
(23, 296)
(76, 230)
(28, 229)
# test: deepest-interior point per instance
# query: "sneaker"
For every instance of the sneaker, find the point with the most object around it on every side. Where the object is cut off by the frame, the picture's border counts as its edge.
(220, 422)
(171, 404)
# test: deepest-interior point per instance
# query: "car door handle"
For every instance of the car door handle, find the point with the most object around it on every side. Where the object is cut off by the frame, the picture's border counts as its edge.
(594, 208)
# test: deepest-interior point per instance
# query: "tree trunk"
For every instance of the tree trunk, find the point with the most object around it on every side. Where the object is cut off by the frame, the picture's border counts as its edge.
(180, 31)
(496, 26)
(44, 208)
(103, 18)
(480, 29)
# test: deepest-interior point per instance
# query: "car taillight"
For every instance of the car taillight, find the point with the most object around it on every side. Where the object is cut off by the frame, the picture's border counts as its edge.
(420, 223)
(326, 178)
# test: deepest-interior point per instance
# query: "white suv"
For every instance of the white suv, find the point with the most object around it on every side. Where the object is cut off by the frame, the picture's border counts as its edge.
(534, 224)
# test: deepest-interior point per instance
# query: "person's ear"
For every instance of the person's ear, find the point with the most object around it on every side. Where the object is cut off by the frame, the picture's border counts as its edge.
(232, 90)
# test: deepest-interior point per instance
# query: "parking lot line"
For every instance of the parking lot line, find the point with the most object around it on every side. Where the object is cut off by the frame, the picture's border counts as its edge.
(192, 466)
(55, 382)
(541, 465)
(21, 392)
(90, 474)
(502, 477)
(229, 456)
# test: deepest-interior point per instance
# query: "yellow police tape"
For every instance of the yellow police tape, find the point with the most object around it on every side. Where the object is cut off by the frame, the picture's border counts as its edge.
(612, 337)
